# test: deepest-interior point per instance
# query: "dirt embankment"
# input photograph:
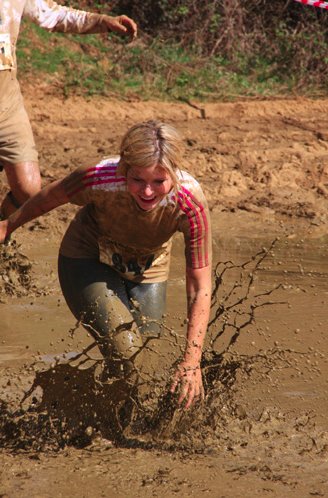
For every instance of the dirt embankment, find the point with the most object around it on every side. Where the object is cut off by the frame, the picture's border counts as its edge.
(267, 157)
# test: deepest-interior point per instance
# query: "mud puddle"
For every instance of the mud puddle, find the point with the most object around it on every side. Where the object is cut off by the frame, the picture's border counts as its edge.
(265, 372)
(298, 265)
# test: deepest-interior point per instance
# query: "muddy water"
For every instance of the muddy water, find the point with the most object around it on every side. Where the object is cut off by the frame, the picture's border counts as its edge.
(295, 322)
(295, 330)
(264, 420)
(31, 324)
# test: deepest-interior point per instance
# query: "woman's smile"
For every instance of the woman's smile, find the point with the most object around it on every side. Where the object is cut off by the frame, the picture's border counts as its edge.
(148, 186)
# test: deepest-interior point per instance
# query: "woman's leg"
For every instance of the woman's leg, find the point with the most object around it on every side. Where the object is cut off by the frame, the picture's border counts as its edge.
(97, 296)
(149, 302)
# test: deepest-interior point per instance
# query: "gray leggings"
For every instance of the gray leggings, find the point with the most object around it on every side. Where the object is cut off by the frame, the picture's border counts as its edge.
(114, 310)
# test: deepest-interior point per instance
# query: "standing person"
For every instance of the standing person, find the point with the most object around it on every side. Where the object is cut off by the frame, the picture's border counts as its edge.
(18, 155)
(116, 251)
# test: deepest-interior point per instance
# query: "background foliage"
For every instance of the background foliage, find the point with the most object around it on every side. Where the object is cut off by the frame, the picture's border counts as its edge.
(215, 49)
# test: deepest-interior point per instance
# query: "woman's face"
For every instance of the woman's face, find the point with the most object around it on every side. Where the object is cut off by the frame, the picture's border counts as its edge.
(148, 186)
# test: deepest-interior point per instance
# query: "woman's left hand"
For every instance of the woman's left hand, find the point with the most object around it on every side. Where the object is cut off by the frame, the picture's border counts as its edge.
(188, 378)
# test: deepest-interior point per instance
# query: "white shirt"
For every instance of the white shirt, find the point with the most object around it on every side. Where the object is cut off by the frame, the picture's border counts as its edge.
(47, 14)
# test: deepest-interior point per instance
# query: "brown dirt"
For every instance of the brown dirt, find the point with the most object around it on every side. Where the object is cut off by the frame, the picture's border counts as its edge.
(263, 429)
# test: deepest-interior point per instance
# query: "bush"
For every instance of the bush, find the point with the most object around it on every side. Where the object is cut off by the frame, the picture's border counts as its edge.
(203, 49)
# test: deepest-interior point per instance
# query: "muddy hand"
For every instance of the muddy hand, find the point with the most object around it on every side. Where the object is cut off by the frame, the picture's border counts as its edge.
(122, 25)
(188, 378)
(3, 231)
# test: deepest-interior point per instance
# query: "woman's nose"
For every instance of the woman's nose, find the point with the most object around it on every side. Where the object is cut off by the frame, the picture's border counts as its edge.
(148, 190)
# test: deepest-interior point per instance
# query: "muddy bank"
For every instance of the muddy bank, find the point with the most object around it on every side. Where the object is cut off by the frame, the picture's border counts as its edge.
(267, 157)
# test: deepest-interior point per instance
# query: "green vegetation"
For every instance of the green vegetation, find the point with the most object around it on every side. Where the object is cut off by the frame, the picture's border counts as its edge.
(205, 50)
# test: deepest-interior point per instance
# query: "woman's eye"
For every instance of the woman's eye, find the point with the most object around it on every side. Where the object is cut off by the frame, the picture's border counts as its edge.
(159, 182)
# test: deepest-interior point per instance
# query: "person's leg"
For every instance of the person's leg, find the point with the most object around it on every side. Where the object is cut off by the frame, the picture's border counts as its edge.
(24, 181)
(18, 154)
(149, 306)
(149, 303)
(96, 295)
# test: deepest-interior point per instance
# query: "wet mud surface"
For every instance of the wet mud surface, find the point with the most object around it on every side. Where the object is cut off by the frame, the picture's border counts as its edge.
(262, 429)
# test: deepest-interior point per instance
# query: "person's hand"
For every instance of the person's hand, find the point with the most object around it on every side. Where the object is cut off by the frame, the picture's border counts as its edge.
(188, 378)
(122, 25)
(3, 231)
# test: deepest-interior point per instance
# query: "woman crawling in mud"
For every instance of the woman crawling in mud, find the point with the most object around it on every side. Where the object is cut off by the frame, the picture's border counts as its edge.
(114, 258)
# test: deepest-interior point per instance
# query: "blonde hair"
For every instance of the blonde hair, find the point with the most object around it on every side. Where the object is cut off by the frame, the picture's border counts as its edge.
(151, 143)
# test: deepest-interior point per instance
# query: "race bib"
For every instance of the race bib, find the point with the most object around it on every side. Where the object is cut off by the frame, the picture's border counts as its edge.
(6, 58)
(121, 260)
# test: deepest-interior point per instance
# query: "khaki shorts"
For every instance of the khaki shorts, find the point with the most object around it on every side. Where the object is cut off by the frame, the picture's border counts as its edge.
(16, 136)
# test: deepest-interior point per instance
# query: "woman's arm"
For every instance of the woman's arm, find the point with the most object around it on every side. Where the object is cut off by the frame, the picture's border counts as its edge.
(188, 374)
(47, 199)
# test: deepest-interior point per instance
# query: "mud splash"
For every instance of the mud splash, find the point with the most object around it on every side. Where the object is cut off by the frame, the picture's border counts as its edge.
(16, 273)
(67, 406)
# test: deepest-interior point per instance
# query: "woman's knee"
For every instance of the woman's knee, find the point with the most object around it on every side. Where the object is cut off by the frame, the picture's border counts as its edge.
(150, 302)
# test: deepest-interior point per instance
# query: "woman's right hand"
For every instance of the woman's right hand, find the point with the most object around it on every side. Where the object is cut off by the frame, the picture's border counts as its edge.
(188, 377)
(3, 231)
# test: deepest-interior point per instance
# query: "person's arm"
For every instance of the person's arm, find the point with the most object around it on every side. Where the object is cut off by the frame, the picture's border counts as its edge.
(47, 199)
(188, 375)
(55, 17)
